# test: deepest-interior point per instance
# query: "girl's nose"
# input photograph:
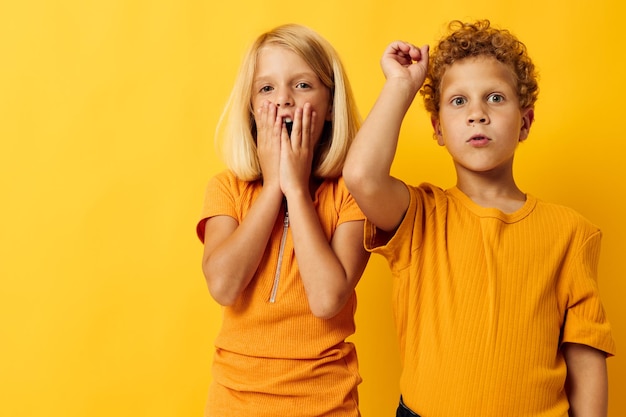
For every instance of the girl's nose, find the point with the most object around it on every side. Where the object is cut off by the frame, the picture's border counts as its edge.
(284, 99)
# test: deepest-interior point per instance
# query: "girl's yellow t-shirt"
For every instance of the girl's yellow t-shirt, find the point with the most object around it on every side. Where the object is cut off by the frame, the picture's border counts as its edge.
(273, 356)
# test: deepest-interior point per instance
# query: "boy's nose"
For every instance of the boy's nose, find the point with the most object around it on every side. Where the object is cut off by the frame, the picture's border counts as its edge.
(477, 115)
(480, 119)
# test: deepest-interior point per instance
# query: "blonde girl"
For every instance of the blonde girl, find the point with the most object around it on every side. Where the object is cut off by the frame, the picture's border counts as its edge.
(283, 237)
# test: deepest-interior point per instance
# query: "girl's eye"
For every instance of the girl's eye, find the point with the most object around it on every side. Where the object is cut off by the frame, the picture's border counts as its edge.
(265, 89)
(302, 85)
(495, 98)
(458, 101)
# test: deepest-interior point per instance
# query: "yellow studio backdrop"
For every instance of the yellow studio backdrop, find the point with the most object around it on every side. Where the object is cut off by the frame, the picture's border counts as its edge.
(107, 113)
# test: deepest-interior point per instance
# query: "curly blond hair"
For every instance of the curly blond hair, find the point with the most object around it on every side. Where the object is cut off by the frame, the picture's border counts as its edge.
(479, 39)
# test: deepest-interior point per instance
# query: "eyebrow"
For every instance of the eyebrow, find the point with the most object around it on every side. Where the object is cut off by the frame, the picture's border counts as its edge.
(307, 75)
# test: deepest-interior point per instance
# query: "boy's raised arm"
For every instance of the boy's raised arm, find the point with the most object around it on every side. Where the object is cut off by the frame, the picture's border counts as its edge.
(383, 198)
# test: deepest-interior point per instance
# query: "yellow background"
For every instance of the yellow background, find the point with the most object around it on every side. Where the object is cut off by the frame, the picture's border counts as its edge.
(107, 112)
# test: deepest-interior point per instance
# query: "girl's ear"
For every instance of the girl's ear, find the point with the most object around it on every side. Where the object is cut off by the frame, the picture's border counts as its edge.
(329, 114)
(437, 131)
(528, 116)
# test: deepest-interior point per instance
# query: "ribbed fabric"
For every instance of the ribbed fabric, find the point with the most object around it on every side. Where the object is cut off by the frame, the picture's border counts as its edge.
(273, 358)
(483, 301)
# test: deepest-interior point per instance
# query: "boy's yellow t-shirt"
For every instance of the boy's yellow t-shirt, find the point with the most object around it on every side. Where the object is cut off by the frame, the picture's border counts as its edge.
(483, 301)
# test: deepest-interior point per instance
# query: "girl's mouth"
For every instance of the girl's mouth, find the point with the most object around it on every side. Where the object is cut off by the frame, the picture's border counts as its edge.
(289, 126)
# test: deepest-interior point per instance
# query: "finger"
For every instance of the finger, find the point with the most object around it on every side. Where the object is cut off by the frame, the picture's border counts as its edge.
(401, 48)
(397, 46)
(273, 122)
(259, 116)
(296, 132)
(259, 119)
(406, 53)
(420, 54)
(308, 125)
(283, 133)
(266, 116)
(424, 51)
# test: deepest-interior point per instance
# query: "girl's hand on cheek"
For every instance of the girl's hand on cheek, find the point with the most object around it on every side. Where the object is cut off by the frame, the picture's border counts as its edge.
(268, 142)
(297, 152)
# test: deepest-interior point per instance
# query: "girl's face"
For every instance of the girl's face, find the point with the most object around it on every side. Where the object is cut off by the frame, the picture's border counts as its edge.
(480, 121)
(285, 80)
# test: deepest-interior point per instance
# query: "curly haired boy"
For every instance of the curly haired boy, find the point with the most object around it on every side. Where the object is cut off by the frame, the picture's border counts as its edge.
(496, 297)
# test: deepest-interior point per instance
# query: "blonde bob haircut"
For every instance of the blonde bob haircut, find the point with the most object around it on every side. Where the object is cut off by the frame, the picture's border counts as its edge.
(236, 129)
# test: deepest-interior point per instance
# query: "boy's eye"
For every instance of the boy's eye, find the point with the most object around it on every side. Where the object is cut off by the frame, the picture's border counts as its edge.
(458, 101)
(495, 98)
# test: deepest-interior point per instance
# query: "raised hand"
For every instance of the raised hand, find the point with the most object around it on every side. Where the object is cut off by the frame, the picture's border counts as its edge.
(403, 60)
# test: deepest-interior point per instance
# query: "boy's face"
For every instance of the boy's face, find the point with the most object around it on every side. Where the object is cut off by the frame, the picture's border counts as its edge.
(480, 122)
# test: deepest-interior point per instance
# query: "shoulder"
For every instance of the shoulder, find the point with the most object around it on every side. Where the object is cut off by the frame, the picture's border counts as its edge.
(564, 214)
(333, 200)
(428, 205)
(227, 181)
(426, 190)
(427, 196)
(226, 177)
(334, 188)
(566, 225)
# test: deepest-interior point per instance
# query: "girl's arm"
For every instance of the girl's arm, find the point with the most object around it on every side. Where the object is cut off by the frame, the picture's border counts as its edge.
(587, 381)
(329, 271)
(232, 251)
(383, 198)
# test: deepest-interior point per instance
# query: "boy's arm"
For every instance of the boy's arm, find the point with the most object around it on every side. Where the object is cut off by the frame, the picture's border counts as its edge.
(587, 381)
(383, 198)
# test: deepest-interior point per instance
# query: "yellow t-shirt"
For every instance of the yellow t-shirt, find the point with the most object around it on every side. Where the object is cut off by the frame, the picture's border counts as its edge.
(483, 301)
(276, 356)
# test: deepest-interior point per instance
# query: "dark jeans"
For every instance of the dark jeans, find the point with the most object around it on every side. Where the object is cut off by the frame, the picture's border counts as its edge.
(404, 411)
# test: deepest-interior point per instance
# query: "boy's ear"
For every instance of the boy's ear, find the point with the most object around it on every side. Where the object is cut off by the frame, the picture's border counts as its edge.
(528, 116)
(437, 128)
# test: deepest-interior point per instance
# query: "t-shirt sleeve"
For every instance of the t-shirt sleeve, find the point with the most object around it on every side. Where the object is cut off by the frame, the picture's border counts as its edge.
(585, 319)
(396, 246)
(218, 201)
(349, 210)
